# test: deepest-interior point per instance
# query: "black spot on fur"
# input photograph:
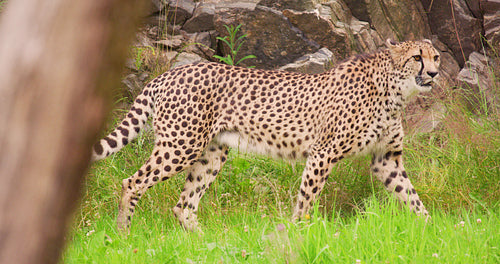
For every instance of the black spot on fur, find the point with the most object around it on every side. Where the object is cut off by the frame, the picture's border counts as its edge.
(98, 148)
(111, 142)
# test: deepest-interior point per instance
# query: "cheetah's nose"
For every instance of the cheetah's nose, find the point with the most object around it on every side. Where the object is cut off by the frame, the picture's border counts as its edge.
(432, 74)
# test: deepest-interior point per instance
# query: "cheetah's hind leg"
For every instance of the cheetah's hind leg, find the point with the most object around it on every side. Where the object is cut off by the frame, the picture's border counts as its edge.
(314, 176)
(198, 179)
(160, 166)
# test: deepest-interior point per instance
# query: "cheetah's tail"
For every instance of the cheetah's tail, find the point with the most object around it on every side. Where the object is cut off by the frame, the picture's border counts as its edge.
(129, 127)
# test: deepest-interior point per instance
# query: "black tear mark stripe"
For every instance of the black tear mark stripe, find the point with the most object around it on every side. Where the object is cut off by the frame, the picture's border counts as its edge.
(421, 62)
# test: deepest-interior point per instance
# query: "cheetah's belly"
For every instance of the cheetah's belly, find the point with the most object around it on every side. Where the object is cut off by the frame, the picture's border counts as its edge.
(244, 143)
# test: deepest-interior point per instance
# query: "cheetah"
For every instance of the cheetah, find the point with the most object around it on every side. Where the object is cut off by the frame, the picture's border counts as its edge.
(200, 110)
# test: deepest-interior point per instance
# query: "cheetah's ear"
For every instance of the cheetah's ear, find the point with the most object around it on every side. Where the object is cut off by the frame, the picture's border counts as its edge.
(427, 41)
(393, 47)
(390, 43)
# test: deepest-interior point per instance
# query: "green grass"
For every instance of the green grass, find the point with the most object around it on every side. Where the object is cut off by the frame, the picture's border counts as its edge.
(381, 234)
(456, 171)
(2, 5)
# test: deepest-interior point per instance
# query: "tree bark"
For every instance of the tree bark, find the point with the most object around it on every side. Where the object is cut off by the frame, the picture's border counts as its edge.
(58, 62)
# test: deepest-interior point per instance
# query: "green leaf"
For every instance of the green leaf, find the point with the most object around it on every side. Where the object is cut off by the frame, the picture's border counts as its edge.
(245, 58)
(234, 44)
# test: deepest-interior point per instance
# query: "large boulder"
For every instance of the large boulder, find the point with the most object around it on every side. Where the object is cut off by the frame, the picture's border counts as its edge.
(399, 20)
(361, 35)
(270, 36)
(178, 11)
(359, 9)
(323, 31)
(201, 43)
(366, 39)
(479, 77)
(491, 18)
(455, 26)
(202, 19)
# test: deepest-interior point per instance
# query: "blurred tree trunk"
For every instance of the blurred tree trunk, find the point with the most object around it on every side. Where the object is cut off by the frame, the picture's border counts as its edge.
(58, 61)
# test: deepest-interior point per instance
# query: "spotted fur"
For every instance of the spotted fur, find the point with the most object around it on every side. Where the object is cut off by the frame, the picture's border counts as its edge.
(202, 109)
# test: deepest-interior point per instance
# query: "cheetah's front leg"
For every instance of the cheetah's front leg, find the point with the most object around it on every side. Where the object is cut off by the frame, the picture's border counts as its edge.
(388, 168)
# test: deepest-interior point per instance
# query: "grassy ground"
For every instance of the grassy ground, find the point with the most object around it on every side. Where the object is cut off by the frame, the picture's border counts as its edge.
(245, 215)
(2, 4)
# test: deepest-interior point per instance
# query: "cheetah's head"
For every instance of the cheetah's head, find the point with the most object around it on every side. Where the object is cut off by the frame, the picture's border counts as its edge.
(417, 63)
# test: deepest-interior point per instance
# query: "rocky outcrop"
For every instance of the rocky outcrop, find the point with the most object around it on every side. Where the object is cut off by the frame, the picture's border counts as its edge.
(202, 18)
(322, 31)
(481, 81)
(274, 45)
(177, 12)
(313, 35)
(491, 24)
(398, 20)
(456, 26)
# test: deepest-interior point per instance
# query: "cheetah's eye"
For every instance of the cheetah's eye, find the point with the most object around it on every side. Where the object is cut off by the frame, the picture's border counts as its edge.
(436, 58)
(417, 57)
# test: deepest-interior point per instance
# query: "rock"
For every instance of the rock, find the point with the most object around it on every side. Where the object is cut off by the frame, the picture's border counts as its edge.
(475, 6)
(177, 12)
(299, 5)
(164, 59)
(202, 19)
(479, 78)
(172, 42)
(399, 20)
(336, 10)
(317, 62)
(185, 58)
(161, 26)
(476, 66)
(157, 6)
(359, 9)
(202, 43)
(491, 23)
(365, 38)
(322, 31)
(270, 37)
(143, 39)
(134, 83)
(130, 64)
(362, 37)
(446, 21)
